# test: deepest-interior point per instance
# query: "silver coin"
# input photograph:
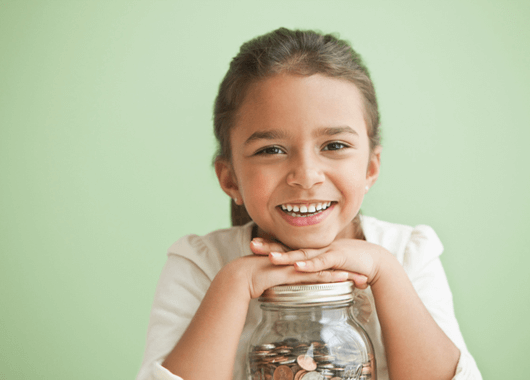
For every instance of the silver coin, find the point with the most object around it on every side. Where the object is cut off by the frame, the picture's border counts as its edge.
(261, 353)
(288, 361)
(265, 347)
(312, 376)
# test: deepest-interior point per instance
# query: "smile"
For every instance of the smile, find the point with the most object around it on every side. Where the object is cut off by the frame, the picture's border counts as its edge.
(306, 214)
(304, 210)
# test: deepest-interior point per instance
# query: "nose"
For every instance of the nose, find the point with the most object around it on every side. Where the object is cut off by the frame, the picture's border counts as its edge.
(305, 171)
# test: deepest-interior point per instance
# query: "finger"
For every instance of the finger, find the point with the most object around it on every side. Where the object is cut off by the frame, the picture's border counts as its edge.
(327, 261)
(360, 280)
(327, 276)
(321, 262)
(291, 257)
(260, 246)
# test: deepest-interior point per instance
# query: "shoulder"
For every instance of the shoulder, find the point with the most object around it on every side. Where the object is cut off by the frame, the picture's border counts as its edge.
(403, 241)
(215, 249)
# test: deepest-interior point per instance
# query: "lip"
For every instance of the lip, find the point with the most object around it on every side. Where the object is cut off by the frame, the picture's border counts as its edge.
(307, 220)
(304, 202)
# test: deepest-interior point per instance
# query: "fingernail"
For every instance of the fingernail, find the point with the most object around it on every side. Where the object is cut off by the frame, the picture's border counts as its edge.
(257, 242)
(275, 254)
(300, 264)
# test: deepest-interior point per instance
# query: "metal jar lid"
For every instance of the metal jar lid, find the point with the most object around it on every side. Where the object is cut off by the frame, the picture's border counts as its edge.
(309, 294)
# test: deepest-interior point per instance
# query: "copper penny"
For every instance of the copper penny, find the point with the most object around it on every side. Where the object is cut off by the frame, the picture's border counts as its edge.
(306, 362)
(283, 372)
(366, 370)
(295, 367)
(299, 374)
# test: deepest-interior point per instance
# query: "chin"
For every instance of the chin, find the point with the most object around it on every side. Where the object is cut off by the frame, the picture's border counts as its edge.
(309, 242)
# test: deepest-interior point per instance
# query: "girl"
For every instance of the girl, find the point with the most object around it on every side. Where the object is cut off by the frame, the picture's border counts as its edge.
(297, 123)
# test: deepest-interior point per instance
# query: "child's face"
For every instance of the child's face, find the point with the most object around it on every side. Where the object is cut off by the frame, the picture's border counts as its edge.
(301, 143)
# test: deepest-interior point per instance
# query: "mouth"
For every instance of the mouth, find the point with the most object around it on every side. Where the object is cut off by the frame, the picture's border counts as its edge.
(304, 210)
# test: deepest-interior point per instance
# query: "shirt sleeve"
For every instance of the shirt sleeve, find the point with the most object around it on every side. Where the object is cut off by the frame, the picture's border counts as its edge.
(180, 290)
(422, 263)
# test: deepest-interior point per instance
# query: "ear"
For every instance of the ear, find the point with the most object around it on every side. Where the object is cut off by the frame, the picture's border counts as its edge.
(372, 171)
(228, 180)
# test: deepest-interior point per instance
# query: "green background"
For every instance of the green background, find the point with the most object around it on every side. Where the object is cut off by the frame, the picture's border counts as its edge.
(106, 143)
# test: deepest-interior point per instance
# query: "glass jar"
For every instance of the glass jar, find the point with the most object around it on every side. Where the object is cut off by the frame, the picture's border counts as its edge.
(308, 332)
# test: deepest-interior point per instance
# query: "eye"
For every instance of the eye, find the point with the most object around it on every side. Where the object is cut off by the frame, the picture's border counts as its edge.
(335, 146)
(270, 150)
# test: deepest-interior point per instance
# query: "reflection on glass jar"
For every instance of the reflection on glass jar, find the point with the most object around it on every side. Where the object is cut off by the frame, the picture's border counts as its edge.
(308, 332)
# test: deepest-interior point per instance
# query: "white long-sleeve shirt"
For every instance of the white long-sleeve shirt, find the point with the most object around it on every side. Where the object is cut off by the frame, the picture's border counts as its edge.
(193, 261)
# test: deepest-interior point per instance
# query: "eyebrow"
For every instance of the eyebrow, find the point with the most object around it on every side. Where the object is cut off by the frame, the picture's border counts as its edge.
(330, 131)
(266, 135)
(276, 134)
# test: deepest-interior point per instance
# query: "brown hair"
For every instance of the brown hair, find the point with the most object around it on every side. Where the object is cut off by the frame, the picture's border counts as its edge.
(299, 52)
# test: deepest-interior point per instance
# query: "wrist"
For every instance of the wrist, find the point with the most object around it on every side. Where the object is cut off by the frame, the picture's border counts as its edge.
(233, 280)
(388, 266)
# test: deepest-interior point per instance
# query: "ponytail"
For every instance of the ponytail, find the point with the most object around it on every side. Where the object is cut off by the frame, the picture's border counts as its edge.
(238, 214)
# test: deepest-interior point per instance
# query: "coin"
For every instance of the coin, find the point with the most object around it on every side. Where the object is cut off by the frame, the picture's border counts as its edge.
(326, 373)
(292, 359)
(279, 359)
(312, 376)
(261, 353)
(289, 360)
(283, 372)
(266, 347)
(299, 374)
(306, 362)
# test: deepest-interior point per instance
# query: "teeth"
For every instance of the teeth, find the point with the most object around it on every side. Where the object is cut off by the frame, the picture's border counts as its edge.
(304, 209)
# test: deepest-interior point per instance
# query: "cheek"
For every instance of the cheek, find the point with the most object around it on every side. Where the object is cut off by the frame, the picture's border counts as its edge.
(352, 185)
(257, 185)
(352, 178)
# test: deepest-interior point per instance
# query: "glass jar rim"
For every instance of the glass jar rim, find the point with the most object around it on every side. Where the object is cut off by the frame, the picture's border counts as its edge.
(309, 294)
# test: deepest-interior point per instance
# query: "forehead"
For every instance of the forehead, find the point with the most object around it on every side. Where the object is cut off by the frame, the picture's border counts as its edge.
(291, 101)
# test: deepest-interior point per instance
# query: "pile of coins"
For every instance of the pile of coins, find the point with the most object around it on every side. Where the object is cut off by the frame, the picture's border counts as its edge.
(291, 359)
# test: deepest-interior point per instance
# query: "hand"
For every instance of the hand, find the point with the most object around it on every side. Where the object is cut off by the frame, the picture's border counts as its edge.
(359, 258)
(259, 274)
